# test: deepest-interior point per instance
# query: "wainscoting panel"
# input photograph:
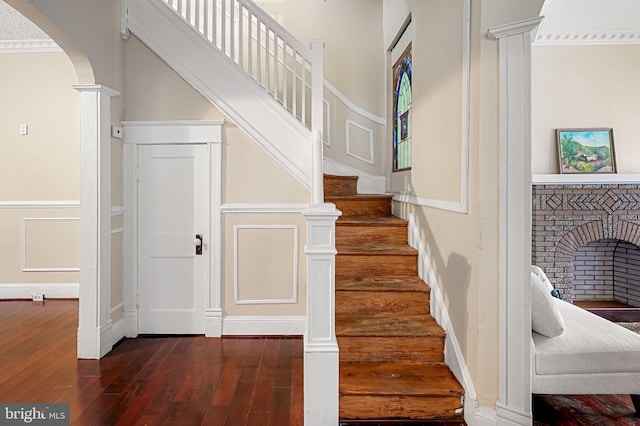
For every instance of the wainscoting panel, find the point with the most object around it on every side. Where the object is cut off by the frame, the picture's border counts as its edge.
(359, 142)
(50, 244)
(265, 264)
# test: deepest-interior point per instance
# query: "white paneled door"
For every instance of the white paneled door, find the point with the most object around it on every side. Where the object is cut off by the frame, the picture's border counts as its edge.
(173, 238)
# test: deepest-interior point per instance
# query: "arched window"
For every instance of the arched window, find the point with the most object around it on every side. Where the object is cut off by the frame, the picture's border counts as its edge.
(402, 112)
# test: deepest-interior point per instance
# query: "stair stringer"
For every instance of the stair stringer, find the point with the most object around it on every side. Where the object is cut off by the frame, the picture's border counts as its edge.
(224, 84)
(474, 414)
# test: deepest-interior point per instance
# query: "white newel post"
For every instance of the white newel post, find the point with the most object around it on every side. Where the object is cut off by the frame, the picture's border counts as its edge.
(94, 322)
(514, 44)
(320, 344)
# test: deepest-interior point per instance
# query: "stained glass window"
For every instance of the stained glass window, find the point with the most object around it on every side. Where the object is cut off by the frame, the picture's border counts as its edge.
(402, 112)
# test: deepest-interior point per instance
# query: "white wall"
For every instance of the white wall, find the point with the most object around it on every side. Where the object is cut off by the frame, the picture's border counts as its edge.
(581, 87)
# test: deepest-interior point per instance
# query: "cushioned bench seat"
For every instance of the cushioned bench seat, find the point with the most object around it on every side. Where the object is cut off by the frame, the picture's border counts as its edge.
(576, 352)
(589, 344)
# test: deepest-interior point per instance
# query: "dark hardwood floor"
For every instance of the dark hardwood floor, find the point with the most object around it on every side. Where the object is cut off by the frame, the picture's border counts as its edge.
(192, 380)
(148, 381)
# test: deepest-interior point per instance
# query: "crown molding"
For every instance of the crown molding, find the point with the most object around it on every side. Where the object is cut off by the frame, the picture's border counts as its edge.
(587, 38)
(28, 46)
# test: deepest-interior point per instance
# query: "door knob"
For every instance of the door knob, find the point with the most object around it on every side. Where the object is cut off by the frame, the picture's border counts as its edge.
(198, 244)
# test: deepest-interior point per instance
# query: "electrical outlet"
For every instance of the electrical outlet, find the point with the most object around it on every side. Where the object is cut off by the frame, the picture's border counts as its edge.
(24, 129)
(38, 297)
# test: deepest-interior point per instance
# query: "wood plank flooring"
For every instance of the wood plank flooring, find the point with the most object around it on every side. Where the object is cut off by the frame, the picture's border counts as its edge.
(148, 381)
(192, 380)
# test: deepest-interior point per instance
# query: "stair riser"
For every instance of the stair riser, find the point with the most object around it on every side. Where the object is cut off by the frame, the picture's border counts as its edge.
(354, 234)
(370, 208)
(391, 350)
(400, 407)
(340, 185)
(373, 265)
(374, 303)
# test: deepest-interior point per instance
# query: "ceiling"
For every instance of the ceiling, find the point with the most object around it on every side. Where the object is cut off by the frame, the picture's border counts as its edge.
(18, 34)
(565, 22)
(590, 22)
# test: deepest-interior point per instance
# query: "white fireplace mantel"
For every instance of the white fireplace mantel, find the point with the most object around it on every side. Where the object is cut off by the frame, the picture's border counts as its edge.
(596, 178)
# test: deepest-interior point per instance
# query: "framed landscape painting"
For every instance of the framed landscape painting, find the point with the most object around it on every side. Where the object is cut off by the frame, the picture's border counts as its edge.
(586, 150)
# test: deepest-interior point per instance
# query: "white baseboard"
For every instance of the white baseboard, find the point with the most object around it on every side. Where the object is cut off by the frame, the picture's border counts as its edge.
(474, 414)
(263, 325)
(117, 331)
(50, 290)
(130, 318)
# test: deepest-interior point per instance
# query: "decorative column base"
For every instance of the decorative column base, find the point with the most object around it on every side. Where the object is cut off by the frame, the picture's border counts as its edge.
(320, 344)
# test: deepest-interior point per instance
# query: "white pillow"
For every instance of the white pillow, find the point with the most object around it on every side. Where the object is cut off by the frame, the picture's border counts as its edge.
(545, 316)
(543, 277)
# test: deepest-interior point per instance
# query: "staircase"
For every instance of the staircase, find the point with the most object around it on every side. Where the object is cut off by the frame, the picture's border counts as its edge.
(392, 367)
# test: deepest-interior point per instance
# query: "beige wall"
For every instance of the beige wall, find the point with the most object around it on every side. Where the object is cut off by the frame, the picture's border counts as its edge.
(463, 248)
(354, 62)
(585, 86)
(250, 175)
(40, 166)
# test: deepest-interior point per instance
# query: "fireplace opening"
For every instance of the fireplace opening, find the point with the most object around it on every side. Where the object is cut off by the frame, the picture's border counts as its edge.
(607, 270)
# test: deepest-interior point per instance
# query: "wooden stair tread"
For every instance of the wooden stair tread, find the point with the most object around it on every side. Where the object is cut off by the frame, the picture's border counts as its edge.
(407, 283)
(377, 249)
(387, 326)
(340, 185)
(371, 221)
(398, 379)
(357, 197)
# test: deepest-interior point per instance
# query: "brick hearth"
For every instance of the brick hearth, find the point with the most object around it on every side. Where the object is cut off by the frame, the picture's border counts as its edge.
(603, 219)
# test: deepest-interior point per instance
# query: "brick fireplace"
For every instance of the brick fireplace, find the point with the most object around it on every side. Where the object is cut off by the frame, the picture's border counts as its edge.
(586, 238)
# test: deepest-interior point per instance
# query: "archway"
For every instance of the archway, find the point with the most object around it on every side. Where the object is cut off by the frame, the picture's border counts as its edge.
(94, 324)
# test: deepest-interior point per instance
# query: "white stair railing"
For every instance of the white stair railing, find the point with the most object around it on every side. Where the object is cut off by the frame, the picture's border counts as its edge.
(259, 46)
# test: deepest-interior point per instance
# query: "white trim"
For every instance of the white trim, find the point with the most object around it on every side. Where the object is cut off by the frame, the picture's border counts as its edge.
(268, 208)
(117, 307)
(117, 230)
(263, 325)
(587, 38)
(124, 19)
(50, 290)
(94, 322)
(236, 272)
(23, 243)
(348, 124)
(462, 205)
(360, 111)
(326, 136)
(130, 319)
(452, 206)
(454, 357)
(515, 28)
(28, 46)
(118, 331)
(117, 211)
(54, 204)
(172, 132)
(514, 222)
(595, 178)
